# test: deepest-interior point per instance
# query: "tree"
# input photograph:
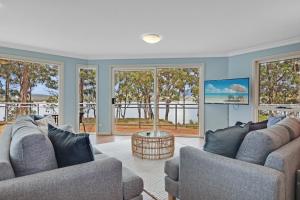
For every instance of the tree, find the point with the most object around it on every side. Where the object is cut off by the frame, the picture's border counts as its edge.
(21, 77)
(183, 81)
(6, 70)
(167, 88)
(279, 82)
(87, 90)
(123, 91)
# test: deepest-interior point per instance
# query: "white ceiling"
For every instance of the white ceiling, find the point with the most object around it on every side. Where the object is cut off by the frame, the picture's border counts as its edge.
(112, 28)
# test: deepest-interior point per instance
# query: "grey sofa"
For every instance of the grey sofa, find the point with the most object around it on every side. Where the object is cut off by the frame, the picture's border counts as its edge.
(104, 179)
(200, 175)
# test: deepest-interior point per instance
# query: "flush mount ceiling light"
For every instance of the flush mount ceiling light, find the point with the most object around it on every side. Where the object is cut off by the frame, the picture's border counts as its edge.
(151, 38)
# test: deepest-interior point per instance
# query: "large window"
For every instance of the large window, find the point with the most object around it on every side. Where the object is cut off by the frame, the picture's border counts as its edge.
(165, 98)
(278, 87)
(28, 87)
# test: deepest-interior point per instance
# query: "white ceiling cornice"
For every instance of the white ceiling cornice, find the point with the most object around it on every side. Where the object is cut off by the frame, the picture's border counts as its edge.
(271, 45)
(290, 41)
(41, 50)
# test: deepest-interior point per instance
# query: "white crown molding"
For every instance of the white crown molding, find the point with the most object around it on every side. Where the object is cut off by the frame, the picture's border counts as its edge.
(42, 50)
(289, 41)
(269, 45)
(124, 56)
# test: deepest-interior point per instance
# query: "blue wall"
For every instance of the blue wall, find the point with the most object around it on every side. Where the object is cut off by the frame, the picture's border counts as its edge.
(241, 66)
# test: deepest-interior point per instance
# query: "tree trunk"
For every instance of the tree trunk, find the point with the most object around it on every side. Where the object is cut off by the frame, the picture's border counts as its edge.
(183, 108)
(81, 109)
(30, 99)
(150, 108)
(24, 87)
(124, 112)
(7, 84)
(145, 109)
(167, 110)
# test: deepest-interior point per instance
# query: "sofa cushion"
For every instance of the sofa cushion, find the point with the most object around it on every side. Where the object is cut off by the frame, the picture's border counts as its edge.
(70, 148)
(133, 185)
(172, 168)
(258, 144)
(172, 187)
(43, 123)
(258, 125)
(30, 151)
(26, 118)
(274, 120)
(96, 151)
(100, 156)
(286, 159)
(225, 142)
(292, 125)
(6, 170)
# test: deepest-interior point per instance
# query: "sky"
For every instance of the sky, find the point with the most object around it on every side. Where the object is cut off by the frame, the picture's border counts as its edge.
(39, 89)
(227, 86)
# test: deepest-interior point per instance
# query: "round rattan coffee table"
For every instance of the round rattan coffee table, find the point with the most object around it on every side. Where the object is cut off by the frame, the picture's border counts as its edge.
(152, 145)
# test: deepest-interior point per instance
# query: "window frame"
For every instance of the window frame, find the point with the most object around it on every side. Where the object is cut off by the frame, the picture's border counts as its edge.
(256, 85)
(155, 67)
(60, 78)
(78, 68)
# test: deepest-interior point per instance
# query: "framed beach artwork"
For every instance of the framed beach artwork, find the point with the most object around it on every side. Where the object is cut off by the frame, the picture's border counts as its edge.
(227, 91)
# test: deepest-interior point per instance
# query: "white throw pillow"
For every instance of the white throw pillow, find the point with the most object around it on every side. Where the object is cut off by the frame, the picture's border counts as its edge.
(43, 123)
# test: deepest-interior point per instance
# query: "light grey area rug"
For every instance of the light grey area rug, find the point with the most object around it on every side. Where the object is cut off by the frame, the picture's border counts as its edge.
(151, 171)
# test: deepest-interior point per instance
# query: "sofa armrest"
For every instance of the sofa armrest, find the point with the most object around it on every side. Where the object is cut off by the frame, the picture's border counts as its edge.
(93, 180)
(209, 176)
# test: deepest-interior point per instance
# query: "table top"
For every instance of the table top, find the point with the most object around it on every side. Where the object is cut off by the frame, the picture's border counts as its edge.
(153, 134)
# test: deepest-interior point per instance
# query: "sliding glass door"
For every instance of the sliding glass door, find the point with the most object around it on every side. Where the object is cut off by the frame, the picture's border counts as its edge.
(157, 98)
(133, 101)
(178, 100)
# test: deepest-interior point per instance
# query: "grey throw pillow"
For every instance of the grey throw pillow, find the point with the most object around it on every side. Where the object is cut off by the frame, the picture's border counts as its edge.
(258, 144)
(225, 142)
(293, 125)
(31, 151)
(274, 120)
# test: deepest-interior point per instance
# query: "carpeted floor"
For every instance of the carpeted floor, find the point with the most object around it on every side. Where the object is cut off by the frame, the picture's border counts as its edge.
(151, 171)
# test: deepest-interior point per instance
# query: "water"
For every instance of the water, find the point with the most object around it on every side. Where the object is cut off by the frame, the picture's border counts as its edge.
(131, 112)
(43, 109)
(190, 112)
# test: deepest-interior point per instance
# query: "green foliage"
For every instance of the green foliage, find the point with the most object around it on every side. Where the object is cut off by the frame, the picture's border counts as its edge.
(87, 91)
(19, 78)
(174, 84)
(279, 82)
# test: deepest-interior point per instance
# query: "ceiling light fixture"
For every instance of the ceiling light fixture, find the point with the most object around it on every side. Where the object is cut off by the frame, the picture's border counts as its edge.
(151, 38)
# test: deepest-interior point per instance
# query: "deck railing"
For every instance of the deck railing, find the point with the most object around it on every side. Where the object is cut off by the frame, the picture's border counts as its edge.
(173, 117)
(10, 110)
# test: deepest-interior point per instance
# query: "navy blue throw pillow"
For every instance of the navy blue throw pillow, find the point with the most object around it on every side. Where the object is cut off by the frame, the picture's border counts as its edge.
(70, 148)
(258, 125)
(225, 142)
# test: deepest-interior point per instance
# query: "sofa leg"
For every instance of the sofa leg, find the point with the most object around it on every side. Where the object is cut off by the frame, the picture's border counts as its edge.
(171, 197)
